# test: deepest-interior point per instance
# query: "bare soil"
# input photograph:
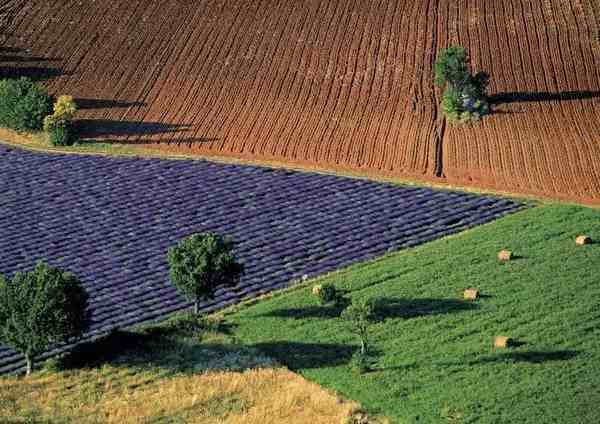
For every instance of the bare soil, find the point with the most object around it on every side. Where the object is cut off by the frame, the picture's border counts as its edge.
(329, 83)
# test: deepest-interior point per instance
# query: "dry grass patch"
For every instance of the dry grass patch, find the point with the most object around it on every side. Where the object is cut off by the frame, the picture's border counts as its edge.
(113, 395)
(181, 371)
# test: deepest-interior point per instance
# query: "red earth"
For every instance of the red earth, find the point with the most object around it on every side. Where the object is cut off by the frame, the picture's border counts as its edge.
(329, 84)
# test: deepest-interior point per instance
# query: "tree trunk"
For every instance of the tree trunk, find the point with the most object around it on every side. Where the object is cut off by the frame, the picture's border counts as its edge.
(363, 347)
(196, 307)
(28, 364)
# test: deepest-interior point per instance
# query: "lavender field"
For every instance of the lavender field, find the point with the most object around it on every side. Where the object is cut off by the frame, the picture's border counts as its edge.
(111, 221)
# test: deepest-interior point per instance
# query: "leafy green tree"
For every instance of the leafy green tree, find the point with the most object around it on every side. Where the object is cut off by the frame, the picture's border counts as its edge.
(464, 97)
(41, 308)
(360, 316)
(451, 67)
(201, 263)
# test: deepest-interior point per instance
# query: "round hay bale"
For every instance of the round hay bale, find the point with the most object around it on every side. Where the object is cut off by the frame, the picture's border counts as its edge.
(581, 240)
(471, 294)
(505, 255)
(503, 341)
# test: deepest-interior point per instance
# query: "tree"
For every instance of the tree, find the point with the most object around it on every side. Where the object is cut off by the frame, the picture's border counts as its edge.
(464, 97)
(451, 67)
(360, 315)
(41, 308)
(200, 263)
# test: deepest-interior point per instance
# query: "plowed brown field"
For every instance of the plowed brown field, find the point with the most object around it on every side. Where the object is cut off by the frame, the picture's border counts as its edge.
(338, 84)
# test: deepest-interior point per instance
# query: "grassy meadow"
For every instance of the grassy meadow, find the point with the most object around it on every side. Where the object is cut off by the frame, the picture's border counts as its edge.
(435, 361)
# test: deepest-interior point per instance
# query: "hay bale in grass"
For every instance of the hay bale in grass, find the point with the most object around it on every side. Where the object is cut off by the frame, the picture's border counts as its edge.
(505, 255)
(471, 294)
(503, 341)
(581, 240)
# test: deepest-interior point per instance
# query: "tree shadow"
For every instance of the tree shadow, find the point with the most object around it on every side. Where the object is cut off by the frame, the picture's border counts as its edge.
(384, 308)
(414, 308)
(98, 128)
(171, 354)
(87, 103)
(297, 355)
(533, 357)
(8, 49)
(542, 96)
(332, 310)
(34, 73)
(24, 59)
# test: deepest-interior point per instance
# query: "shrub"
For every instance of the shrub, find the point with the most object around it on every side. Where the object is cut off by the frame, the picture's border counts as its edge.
(23, 104)
(65, 108)
(60, 132)
(59, 125)
(326, 293)
(200, 263)
(40, 308)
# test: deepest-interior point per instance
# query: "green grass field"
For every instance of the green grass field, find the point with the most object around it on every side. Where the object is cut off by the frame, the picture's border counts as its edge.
(435, 358)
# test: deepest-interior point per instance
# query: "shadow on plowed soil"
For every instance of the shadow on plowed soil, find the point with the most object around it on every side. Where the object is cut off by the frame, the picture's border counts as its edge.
(99, 128)
(87, 103)
(12, 60)
(134, 132)
(33, 72)
(542, 96)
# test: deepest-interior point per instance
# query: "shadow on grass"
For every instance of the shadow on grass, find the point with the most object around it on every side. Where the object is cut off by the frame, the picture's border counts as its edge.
(169, 354)
(413, 308)
(297, 355)
(533, 357)
(384, 308)
(190, 346)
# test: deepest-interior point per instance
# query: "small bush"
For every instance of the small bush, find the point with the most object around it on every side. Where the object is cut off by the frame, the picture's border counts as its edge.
(23, 104)
(60, 133)
(326, 293)
(65, 108)
(59, 125)
(451, 67)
